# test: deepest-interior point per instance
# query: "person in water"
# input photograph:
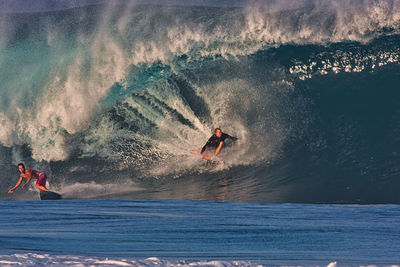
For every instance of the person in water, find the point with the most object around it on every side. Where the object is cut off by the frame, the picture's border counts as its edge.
(28, 174)
(216, 142)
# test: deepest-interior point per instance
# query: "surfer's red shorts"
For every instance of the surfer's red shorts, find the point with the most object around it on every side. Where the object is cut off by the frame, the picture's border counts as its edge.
(42, 179)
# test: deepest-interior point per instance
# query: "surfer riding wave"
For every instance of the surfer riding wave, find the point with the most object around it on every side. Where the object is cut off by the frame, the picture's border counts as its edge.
(214, 144)
(29, 174)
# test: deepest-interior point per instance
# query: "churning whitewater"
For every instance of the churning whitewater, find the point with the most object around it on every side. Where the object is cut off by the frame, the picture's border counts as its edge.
(110, 98)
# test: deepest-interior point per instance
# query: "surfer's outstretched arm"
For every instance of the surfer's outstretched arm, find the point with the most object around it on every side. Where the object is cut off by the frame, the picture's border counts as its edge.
(27, 182)
(219, 148)
(16, 186)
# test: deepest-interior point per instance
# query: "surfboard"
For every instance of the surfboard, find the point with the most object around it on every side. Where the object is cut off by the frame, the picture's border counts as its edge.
(49, 195)
(207, 156)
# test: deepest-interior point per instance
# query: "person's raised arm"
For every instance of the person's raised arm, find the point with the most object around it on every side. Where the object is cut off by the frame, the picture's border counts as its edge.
(16, 186)
(219, 148)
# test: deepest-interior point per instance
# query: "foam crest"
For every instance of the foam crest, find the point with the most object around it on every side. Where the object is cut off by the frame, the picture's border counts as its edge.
(68, 106)
(265, 24)
(70, 96)
(320, 22)
(195, 42)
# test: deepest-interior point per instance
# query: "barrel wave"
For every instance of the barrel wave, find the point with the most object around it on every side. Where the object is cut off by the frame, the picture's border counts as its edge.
(110, 99)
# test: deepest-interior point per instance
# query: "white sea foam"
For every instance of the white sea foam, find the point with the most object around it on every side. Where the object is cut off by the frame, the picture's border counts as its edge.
(339, 62)
(34, 259)
(6, 130)
(113, 262)
(70, 96)
(69, 104)
(269, 24)
(169, 150)
(10, 263)
(95, 190)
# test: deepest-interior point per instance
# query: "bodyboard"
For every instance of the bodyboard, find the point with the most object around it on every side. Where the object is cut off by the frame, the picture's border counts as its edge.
(48, 195)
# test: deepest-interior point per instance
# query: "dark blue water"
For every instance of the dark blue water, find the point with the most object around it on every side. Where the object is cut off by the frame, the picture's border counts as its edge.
(196, 231)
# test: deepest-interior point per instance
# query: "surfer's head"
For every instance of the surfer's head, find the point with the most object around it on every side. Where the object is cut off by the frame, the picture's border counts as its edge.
(218, 132)
(21, 167)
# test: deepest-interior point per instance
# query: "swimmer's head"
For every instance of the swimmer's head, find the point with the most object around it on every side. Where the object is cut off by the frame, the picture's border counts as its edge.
(218, 132)
(21, 167)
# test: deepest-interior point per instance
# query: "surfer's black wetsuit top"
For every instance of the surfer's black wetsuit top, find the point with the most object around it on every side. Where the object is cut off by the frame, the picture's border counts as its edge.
(214, 141)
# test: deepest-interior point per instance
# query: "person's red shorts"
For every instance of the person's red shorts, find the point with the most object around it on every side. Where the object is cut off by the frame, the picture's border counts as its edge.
(42, 179)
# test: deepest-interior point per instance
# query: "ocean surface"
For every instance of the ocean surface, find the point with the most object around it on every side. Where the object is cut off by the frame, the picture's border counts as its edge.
(112, 100)
(196, 233)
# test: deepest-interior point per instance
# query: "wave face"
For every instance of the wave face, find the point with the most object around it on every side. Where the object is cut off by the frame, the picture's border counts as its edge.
(111, 99)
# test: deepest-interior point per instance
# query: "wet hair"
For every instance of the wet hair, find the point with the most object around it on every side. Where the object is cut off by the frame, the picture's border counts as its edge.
(21, 164)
